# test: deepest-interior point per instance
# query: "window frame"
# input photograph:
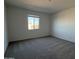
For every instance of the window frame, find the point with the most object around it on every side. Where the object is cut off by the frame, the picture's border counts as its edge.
(35, 16)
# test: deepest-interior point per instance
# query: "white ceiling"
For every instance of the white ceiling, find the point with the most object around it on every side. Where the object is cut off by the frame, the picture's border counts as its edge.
(43, 5)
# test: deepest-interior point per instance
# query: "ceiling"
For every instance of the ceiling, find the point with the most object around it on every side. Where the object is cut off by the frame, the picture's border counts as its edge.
(48, 6)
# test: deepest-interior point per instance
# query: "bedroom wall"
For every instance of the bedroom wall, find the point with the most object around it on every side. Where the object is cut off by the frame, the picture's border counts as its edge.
(63, 24)
(5, 29)
(17, 24)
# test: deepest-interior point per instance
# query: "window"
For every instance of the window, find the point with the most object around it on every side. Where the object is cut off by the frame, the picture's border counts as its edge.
(33, 22)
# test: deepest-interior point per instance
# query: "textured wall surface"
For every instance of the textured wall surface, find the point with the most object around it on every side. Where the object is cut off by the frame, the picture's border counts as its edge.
(18, 27)
(63, 24)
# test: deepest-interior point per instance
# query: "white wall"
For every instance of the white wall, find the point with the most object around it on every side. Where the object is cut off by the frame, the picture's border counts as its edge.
(17, 24)
(5, 30)
(63, 24)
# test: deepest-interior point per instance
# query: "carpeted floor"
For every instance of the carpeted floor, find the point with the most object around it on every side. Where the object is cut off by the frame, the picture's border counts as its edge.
(41, 48)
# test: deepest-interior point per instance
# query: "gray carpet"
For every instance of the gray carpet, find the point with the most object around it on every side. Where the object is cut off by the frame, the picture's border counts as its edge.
(41, 48)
